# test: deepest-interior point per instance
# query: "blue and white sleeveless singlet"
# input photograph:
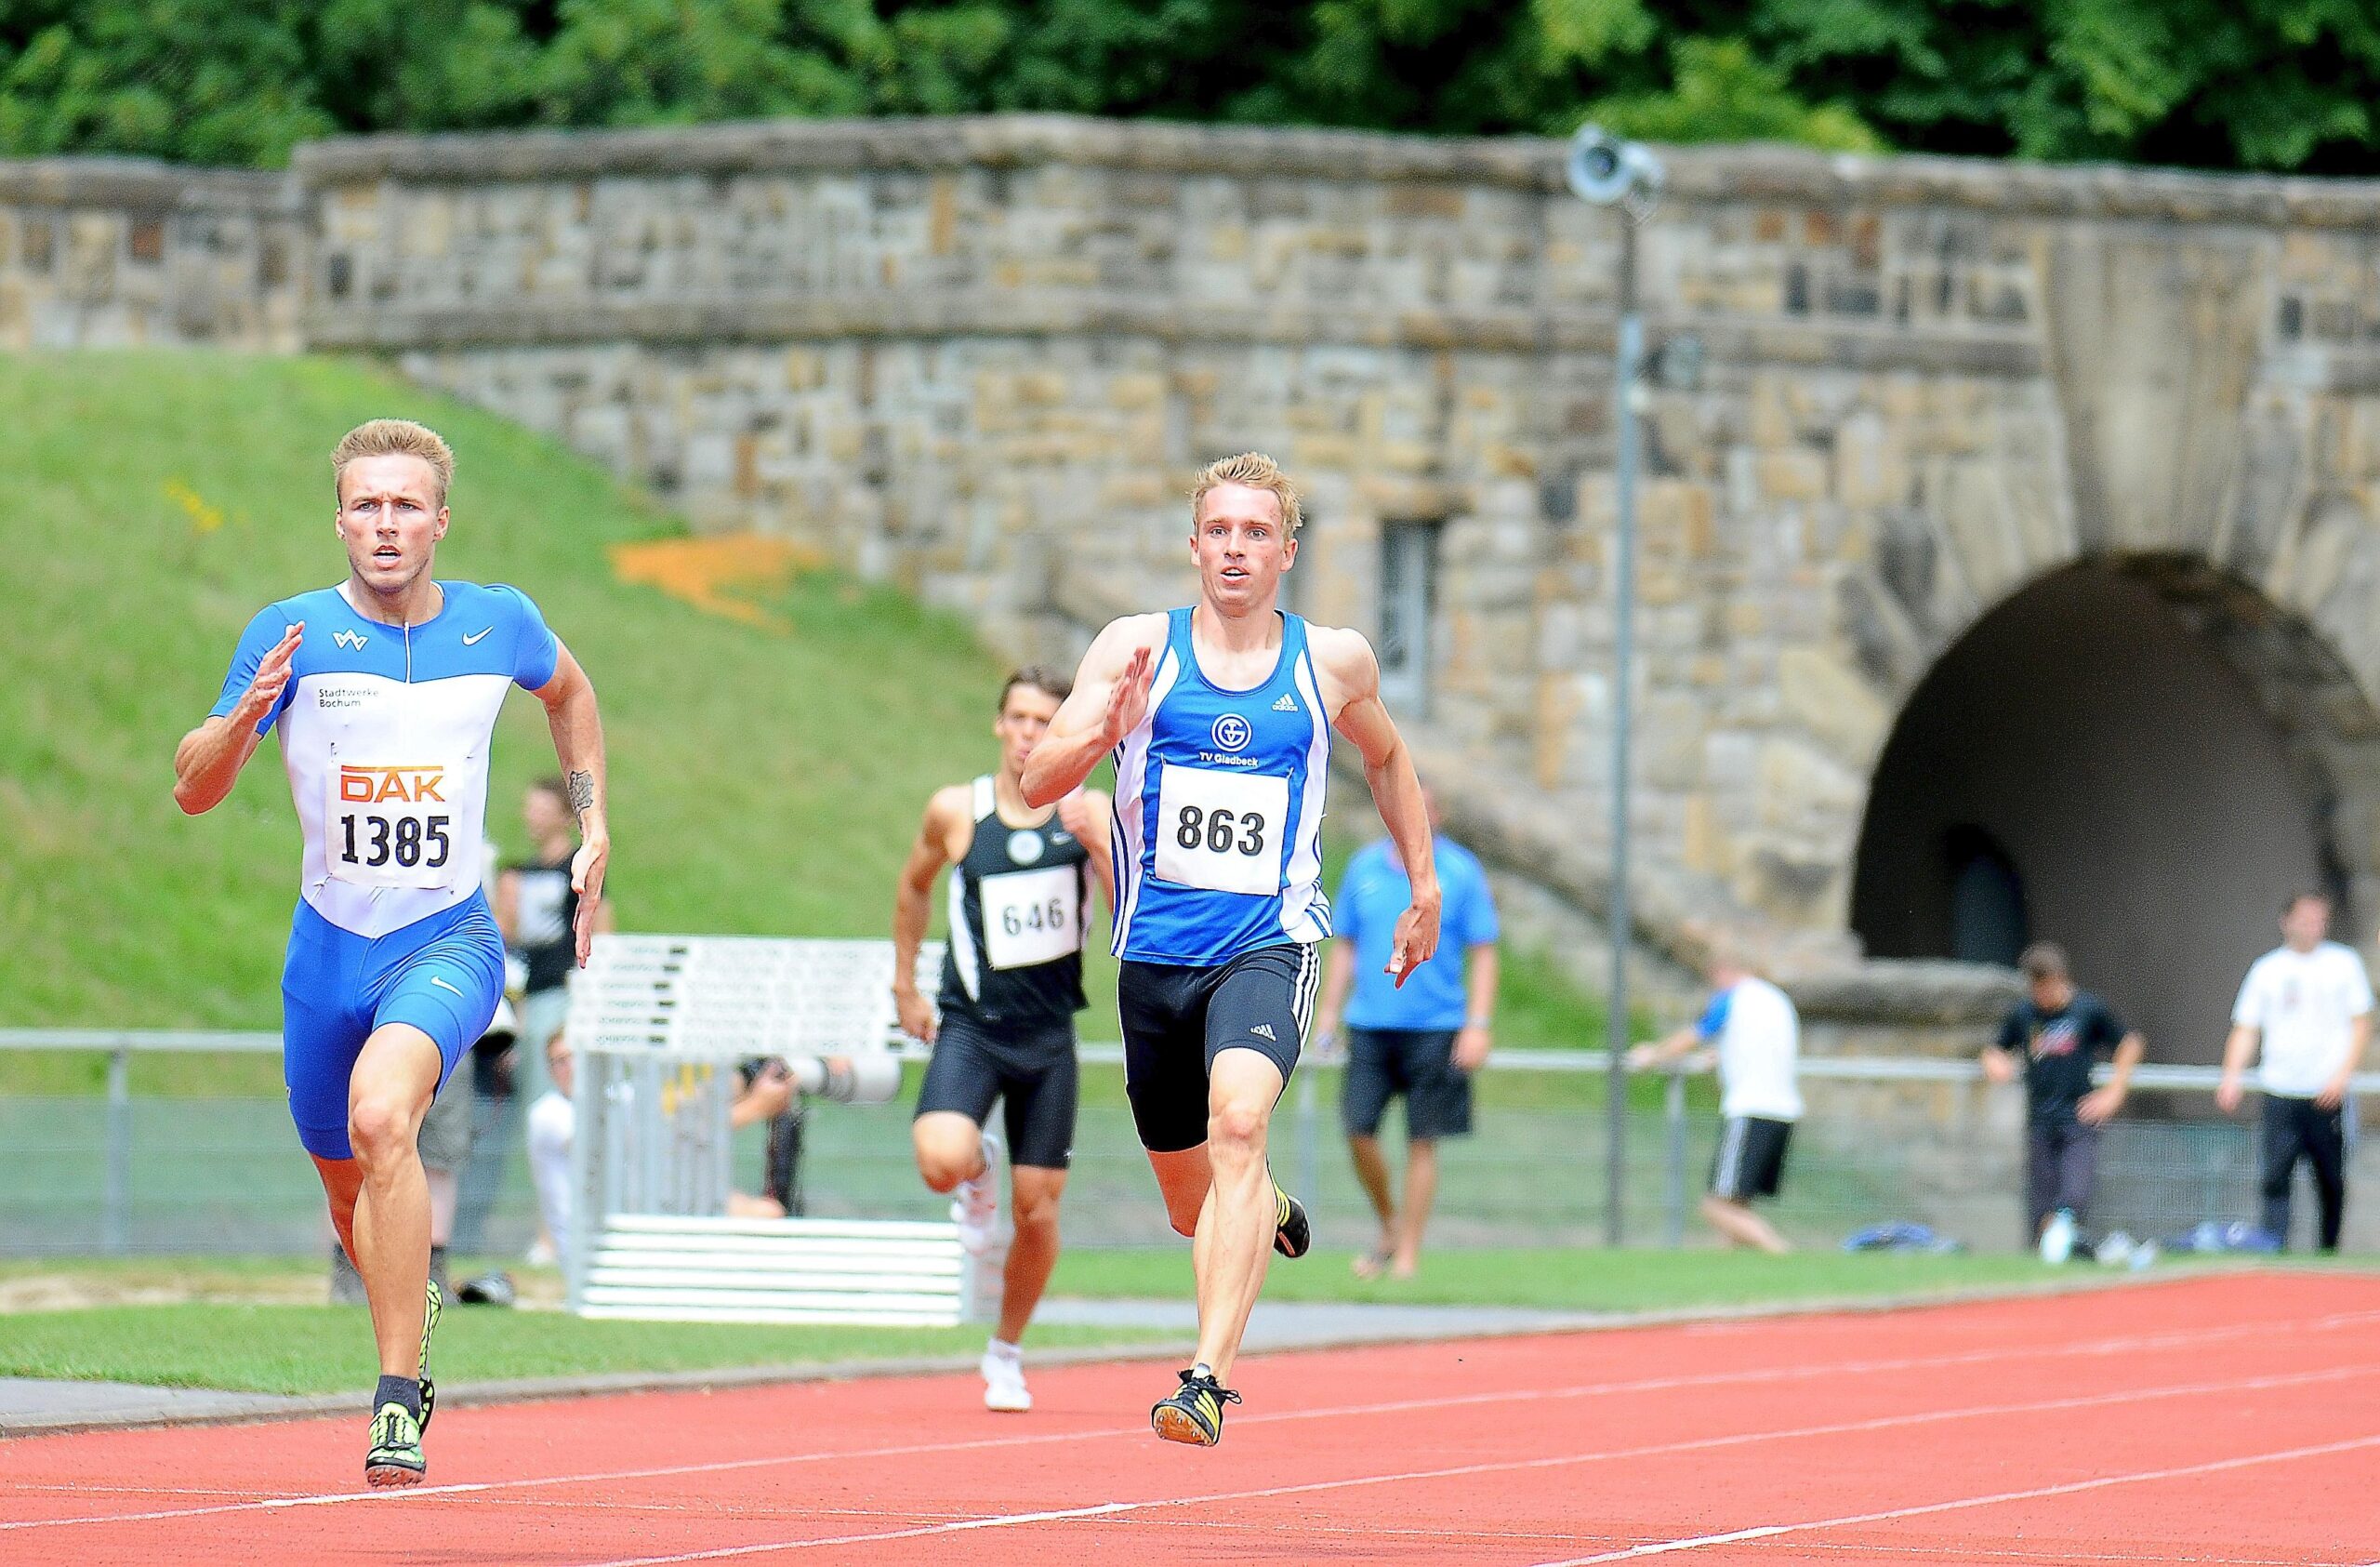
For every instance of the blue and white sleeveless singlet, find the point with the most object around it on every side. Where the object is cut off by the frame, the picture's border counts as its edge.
(385, 731)
(1218, 826)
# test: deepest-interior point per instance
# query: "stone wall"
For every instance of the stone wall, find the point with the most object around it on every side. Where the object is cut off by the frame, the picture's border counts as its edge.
(981, 357)
(114, 252)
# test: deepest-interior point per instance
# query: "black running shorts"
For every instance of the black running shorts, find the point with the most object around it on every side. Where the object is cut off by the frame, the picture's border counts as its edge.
(1177, 1019)
(1750, 1160)
(1032, 1071)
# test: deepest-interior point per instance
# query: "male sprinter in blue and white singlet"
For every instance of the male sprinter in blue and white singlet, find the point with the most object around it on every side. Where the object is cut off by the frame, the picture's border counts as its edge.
(1218, 717)
(386, 690)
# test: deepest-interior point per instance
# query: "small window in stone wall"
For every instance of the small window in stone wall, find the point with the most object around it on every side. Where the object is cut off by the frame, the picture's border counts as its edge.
(1408, 601)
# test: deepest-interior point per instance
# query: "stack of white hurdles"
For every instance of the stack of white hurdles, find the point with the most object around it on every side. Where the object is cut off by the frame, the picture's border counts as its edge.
(658, 1025)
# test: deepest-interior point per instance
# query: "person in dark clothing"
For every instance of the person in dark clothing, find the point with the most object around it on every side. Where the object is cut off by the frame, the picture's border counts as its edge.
(1003, 1026)
(2058, 1033)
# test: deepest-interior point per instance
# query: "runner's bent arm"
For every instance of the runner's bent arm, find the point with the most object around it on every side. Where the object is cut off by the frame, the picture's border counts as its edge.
(1110, 698)
(1088, 821)
(577, 729)
(1347, 658)
(208, 762)
(912, 906)
(1337, 980)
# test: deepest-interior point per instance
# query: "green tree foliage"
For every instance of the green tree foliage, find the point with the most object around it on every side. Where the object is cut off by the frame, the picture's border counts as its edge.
(2225, 84)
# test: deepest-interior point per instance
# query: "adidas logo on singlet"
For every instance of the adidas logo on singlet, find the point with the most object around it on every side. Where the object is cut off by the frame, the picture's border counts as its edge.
(1287, 704)
(1264, 1030)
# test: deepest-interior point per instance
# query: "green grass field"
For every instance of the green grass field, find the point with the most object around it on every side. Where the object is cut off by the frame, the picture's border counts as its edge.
(764, 780)
(328, 1349)
(221, 1338)
(1569, 1279)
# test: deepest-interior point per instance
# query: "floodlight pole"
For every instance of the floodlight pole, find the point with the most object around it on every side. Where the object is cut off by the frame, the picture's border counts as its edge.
(1627, 359)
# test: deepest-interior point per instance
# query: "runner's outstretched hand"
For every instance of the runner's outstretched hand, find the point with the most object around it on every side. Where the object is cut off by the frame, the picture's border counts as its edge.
(587, 881)
(273, 678)
(1417, 941)
(1128, 703)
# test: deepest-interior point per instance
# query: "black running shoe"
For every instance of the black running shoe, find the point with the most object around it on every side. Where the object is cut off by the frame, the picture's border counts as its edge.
(1293, 1231)
(1193, 1415)
(436, 1303)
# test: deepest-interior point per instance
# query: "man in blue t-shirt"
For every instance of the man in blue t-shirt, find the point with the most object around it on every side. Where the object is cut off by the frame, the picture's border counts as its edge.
(1422, 1040)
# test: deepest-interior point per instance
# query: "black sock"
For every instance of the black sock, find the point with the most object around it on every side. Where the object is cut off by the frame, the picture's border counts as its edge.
(399, 1389)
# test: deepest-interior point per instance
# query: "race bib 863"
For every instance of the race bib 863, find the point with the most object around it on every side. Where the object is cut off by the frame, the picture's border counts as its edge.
(1220, 831)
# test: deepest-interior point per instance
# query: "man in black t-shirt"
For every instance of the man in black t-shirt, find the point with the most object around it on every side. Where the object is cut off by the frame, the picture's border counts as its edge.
(2060, 1033)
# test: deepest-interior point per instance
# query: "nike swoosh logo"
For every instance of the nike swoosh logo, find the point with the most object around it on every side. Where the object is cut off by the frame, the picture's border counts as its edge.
(476, 635)
(442, 985)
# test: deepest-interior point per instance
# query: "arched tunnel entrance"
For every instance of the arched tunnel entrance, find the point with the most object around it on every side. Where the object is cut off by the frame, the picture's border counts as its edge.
(2138, 761)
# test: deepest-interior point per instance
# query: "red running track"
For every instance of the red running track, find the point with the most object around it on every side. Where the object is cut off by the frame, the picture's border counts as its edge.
(2226, 1420)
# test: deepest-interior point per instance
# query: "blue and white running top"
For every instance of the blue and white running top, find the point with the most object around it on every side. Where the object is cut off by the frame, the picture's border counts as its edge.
(1218, 827)
(385, 731)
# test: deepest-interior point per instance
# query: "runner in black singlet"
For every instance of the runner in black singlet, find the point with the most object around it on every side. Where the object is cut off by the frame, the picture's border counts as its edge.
(1012, 983)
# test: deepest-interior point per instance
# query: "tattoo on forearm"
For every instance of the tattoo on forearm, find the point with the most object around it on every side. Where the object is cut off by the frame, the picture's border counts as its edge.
(582, 791)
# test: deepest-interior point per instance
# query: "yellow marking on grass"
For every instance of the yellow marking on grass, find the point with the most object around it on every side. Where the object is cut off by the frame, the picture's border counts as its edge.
(204, 518)
(725, 575)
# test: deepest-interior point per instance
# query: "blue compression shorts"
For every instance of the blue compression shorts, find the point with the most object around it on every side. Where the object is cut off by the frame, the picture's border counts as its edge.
(444, 974)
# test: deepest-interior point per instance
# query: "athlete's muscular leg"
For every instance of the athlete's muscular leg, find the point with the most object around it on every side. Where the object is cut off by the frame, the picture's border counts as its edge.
(1184, 1179)
(949, 1149)
(388, 1232)
(342, 1179)
(1237, 1225)
(1033, 1202)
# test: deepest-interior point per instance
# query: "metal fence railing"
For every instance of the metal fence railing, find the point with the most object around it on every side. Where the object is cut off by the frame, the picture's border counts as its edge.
(124, 1172)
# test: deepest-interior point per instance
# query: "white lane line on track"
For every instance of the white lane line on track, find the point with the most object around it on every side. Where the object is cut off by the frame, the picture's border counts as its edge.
(2064, 1557)
(1514, 1466)
(1823, 1371)
(1771, 1531)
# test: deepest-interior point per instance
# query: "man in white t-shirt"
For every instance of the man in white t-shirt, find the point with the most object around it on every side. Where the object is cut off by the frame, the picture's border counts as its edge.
(1758, 1038)
(2309, 1002)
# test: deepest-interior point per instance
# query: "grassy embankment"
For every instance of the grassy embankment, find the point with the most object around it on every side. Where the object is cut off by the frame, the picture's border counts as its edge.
(766, 768)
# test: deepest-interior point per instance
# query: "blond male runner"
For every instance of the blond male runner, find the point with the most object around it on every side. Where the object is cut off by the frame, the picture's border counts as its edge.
(1012, 983)
(386, 690)
(1219, 716)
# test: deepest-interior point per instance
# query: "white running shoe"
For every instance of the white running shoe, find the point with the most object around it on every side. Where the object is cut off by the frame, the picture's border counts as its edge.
(1003, 1370)
(975, 1204)
(2057, 1237)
